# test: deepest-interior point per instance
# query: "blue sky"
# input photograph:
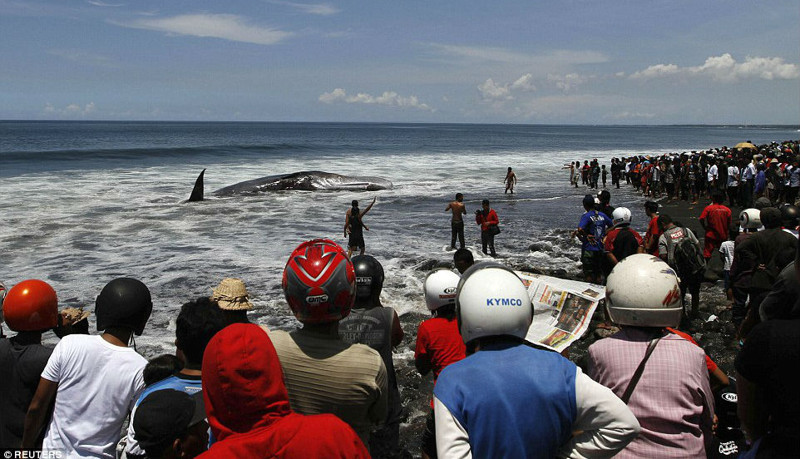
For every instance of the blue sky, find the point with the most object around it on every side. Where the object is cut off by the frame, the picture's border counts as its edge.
(576, 62)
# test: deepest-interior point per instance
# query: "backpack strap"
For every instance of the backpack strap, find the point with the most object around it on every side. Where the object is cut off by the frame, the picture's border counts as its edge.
(639, 370)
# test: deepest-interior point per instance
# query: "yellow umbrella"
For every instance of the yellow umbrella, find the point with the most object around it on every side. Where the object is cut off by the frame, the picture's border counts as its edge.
(746, 145)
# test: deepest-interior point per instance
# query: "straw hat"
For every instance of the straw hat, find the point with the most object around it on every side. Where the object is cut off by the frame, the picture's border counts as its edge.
(231, 295)
(71, 316)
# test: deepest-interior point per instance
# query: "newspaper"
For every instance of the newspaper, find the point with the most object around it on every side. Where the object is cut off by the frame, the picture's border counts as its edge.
(562, 309)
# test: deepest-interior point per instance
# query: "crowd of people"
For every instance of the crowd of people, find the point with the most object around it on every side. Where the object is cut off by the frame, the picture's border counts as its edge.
(758, 273)
(743, 173)
(329, 388)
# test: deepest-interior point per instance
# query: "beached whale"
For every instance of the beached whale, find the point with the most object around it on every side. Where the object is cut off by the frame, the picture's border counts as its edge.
(305, 180)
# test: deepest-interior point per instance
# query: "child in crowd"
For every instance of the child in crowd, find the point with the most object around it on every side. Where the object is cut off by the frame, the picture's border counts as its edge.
(198, 321)
(160, 368)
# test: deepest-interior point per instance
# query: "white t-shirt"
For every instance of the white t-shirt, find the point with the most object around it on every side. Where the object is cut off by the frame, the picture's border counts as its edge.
(733, 176)
(98, 383)
(727, 255)
(712, 172)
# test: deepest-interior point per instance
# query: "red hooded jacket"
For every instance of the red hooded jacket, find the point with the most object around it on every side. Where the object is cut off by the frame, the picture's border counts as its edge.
(248, 407)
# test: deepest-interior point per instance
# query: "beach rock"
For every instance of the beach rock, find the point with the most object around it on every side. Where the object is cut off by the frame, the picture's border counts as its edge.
(428, 265)
(559, 272)
(536, 247)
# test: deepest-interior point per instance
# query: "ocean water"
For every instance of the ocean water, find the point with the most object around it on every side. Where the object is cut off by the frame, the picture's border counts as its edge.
(82, 203)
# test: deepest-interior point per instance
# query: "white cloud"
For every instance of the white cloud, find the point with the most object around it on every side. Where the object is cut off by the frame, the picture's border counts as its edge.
(224, 26)
(71, 110)
(567, 82)
(320, 9)
(388, 98)
(492, 91)
(503, 55)
(626, 115)
(104, 4)
(726, 69)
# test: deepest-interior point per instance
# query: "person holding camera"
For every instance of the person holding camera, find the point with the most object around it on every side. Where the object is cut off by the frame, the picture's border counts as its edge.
(487, 218)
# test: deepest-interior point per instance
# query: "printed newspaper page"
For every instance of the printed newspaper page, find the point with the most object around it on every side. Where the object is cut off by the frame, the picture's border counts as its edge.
(562, 309)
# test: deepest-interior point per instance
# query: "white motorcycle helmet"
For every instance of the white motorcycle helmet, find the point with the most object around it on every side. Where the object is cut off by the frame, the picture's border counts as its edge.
(621, 216)
(440, 288)
(643, 291)
(750, 219)
(492, 301)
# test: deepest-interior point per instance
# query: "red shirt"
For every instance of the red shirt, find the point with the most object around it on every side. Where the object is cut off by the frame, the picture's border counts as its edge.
(652, 234)
(611, 236)
(718, 220)
(439, 340)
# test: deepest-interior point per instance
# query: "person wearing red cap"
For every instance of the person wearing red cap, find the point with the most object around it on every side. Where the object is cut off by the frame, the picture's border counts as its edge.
(30, 308)
(248, 407)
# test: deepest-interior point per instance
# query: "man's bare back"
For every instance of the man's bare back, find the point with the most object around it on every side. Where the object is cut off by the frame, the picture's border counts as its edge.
(458, 209)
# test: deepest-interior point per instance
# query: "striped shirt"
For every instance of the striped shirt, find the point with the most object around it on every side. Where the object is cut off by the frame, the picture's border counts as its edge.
(323, 374)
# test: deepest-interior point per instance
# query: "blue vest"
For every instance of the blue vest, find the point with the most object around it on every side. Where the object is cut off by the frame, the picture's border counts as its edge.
(514, 401)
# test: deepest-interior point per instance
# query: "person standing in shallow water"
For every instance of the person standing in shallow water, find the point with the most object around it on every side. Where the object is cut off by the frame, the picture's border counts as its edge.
(354, 227)
(510, 181)
(487, 218)
(458, 210)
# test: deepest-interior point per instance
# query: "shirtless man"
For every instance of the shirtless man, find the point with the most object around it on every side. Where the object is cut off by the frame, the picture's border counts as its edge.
(457, 223)
(354, 226)
(510, 181)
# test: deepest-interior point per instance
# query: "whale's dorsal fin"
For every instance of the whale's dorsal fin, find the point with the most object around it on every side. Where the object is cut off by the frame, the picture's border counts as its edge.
(197, 191)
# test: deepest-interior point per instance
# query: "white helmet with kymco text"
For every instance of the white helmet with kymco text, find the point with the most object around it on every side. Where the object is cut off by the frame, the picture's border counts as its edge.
(492, 301)
(750, 219)
(643, 291)
(440, 288)
(621, 216)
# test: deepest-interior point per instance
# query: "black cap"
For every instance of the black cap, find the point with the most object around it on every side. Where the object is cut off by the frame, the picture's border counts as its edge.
(588, 200)
(165, 415)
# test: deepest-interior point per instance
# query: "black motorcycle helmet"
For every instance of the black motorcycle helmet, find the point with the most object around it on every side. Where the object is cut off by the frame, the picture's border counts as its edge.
(123, 302)
(790, 215)
(369, 276)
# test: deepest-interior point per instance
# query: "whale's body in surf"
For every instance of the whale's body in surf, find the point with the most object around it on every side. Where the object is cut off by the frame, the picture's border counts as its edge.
(305, 181)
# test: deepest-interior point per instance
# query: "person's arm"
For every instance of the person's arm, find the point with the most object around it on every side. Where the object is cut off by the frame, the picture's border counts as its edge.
(452, 440)
(663, 248)
(380, 409)
(423, 364)
(604, 425)
(397, 329)
(346, 222)
(422, 360)
(718, 379)
(364, 224)
(612, 259)
(37, 412)
(364, 212)
(449, 206)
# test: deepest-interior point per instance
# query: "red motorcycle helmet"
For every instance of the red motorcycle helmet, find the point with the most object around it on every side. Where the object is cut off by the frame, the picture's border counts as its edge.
(319, 282)
(31, 305)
